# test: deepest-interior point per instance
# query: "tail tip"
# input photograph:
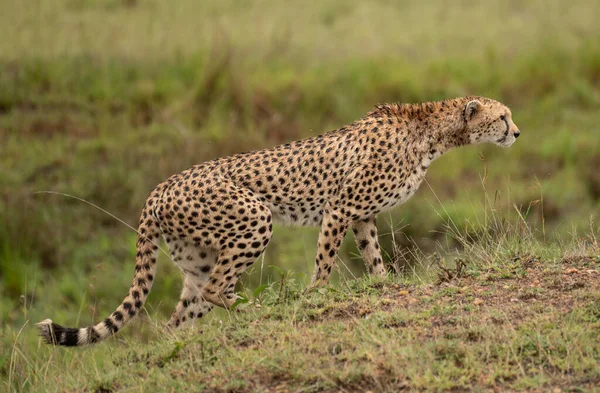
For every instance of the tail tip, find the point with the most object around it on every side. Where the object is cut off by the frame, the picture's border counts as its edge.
(46, 331)
(46, 321)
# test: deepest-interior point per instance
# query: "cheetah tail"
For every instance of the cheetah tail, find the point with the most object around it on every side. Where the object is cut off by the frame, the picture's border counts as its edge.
(145, 269)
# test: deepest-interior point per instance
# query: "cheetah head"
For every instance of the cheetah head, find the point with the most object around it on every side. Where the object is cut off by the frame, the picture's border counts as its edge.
(488, 121)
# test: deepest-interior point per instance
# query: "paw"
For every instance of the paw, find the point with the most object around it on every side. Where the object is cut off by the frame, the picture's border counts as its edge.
(221, 300)
(313, 286)
(241, 304)
(173, 325)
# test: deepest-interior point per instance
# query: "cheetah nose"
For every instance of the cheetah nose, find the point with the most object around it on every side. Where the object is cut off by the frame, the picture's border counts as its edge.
(517, 133)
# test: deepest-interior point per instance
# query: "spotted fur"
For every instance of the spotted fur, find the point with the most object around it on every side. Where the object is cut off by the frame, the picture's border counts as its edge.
(217, 217)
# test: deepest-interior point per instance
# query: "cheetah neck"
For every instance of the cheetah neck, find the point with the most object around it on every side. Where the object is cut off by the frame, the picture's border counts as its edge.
(425, 131)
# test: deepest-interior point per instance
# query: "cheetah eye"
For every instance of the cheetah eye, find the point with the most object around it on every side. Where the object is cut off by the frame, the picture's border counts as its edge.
(502, 117)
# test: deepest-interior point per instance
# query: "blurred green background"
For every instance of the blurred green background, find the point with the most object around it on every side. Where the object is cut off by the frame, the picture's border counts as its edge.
(104, 99)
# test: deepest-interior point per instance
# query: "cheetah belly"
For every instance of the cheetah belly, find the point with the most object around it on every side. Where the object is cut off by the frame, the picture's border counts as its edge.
(300, 214)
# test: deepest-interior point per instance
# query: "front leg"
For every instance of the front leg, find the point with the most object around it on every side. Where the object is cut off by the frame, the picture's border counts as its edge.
(333, 229)
(365, 234)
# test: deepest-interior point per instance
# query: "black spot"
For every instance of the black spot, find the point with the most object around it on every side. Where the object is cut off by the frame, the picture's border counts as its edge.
(110, 326)
(93, 335)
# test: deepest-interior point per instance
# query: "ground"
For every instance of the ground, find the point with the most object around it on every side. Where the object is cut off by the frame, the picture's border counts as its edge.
(527, 322)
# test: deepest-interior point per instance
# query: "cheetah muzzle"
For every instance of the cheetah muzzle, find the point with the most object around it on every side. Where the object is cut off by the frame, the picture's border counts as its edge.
(217, 217)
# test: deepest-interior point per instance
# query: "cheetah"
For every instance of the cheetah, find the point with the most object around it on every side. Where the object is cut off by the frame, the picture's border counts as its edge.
(217, 217)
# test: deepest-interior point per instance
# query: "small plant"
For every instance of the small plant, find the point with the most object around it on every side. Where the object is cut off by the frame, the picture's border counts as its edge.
(446, 274)
(178, 346)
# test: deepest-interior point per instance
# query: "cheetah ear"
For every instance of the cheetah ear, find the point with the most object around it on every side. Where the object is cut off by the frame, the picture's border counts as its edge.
(471, 109)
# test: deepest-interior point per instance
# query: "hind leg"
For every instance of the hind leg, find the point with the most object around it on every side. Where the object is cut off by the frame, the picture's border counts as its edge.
(220, 290)
(241, 245)
(191, 305)
(197, 264)
(213, 213)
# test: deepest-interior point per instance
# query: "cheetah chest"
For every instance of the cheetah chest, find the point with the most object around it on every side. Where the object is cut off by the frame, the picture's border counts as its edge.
(406, 185)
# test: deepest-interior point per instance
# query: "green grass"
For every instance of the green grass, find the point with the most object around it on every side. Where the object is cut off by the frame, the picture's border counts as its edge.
(524, 323)
(104, 99)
